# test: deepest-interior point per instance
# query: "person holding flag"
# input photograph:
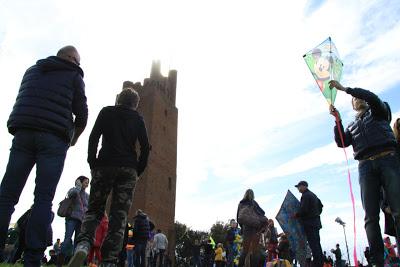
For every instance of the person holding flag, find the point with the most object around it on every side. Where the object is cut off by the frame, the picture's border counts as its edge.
(374, 146)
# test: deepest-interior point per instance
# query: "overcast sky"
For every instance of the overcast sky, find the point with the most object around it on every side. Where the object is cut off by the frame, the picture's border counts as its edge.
(250, 113)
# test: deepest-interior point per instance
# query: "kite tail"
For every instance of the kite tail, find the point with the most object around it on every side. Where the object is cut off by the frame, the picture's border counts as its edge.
(351, 190)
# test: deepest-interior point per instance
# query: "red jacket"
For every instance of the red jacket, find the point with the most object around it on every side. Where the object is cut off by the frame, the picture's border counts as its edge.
(101, 232)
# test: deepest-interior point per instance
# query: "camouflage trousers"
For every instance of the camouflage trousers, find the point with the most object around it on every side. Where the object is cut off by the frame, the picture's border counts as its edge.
(121, 181)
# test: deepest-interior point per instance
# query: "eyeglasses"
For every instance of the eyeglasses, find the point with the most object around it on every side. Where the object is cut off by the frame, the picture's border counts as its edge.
(74, 60)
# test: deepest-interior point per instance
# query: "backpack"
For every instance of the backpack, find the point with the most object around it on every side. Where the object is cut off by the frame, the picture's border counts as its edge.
(250, 218)
(65, 207)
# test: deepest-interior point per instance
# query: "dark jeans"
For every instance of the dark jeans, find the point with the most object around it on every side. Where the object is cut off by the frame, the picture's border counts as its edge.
(229, 255)
(312, 234)
(140, 255)
(196, 261)
(122, 181)
(48, 152)
(160, 257)
(71, 226)
(130, 257)
(373, 174)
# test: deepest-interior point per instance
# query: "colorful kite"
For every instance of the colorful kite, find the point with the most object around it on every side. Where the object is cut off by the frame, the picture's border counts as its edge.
(325, 65)
(292, 227)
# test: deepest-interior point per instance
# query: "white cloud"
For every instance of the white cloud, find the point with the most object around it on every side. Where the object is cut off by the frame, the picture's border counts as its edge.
(327, 155)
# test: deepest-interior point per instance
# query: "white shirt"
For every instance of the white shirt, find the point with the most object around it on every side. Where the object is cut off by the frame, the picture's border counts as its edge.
(160, 241)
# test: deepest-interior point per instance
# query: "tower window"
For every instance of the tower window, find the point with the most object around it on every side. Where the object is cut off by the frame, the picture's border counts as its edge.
(169, 183)
(166, 113)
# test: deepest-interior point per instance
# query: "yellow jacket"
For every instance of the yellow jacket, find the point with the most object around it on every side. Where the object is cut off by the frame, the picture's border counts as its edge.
(218, 254)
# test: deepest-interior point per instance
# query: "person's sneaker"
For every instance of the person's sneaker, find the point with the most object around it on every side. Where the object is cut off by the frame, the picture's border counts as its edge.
(81, 252)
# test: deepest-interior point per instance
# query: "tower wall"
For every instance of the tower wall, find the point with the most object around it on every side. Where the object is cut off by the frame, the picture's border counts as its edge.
(155, 192)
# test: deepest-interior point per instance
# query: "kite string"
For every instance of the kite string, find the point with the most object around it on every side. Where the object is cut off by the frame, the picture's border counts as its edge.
(351, 190)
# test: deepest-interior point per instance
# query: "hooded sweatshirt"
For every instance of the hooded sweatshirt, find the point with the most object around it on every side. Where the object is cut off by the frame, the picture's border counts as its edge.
(141, 229)
(120, 128)
(51, 92)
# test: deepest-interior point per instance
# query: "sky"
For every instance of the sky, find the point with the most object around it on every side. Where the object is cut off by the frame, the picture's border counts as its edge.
(250, 113)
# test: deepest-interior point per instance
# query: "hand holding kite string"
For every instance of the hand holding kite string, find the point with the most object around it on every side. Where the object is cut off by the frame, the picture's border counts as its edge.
(334, 112)
(337, 85)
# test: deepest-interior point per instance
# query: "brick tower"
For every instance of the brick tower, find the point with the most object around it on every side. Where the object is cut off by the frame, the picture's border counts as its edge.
(155, 192)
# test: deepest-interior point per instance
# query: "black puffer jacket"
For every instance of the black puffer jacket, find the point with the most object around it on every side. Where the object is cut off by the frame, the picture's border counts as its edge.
(370, 133)
(50, 92)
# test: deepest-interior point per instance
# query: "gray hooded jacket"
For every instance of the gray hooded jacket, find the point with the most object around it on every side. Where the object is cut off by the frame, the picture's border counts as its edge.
(81, 200)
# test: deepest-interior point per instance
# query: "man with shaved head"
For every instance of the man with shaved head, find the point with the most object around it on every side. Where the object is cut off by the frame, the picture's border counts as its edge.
(48, 116)
(69, 53)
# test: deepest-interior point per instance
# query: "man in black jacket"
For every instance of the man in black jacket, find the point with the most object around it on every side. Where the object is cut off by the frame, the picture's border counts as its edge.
(309, 215)
(42, 122)
(374, 146)
(115, 167)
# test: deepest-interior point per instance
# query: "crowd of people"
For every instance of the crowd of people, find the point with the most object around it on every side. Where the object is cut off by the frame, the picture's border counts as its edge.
(142, 245)
(49, 115)
(376, 146)
(249, 244)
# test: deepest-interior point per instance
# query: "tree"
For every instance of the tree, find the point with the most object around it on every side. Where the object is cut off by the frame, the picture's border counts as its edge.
(219, 231)
(185, 238)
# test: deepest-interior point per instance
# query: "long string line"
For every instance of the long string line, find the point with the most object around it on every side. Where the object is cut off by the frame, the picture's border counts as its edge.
(351, 190)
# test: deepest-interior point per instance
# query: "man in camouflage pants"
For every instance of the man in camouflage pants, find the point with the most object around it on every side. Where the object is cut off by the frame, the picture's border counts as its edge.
(115, 168)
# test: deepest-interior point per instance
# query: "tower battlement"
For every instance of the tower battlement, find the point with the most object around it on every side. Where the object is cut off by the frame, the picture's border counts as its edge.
(167, 85)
